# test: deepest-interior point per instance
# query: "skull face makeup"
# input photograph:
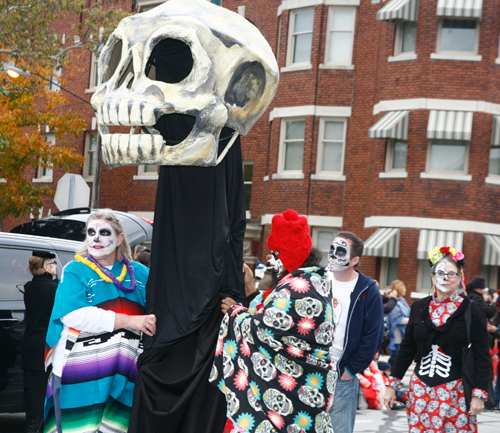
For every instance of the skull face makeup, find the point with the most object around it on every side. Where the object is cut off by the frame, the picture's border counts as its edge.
(339, 257)
(101, 239)
(445, 283)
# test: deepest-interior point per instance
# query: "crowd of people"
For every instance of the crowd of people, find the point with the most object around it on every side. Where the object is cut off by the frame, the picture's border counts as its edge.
(296, 353)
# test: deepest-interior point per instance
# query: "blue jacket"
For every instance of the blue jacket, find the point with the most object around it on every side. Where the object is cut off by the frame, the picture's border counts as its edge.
(365, 327)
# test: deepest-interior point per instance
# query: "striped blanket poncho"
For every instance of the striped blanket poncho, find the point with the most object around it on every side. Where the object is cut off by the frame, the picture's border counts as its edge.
(98, 375)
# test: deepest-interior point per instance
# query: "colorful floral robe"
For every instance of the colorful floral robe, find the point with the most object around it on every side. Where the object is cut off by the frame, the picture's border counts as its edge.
(274, 366)
(97, 382)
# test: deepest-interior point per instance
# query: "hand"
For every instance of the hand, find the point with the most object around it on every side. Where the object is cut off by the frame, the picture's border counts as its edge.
(389, 397)
(227, 303)
(492, 328)
(249, 287)
(393, 294)
(476, 405)
(346, 376)
(146, 324)
(495, 297)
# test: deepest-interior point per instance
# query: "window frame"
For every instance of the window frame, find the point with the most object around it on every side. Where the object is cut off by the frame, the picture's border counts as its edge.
(447, 172)
(282, 147)
(492, 175)
(321, 143)
(419, 288)
(291, 39)
(389, 157)
(458, 54)
(384, 272)
(55, 80)
(329, 31)
(40, 176)
(398, 40)
(248, 182)
(85, 169)
(314, 235)
(142, 174)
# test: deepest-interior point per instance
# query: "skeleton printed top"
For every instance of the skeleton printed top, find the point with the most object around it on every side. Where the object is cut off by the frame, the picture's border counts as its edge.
(274, 366)
(441, 363)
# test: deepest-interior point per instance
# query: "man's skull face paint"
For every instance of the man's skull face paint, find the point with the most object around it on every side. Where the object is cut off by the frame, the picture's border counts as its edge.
(339, 257)
(101, 239)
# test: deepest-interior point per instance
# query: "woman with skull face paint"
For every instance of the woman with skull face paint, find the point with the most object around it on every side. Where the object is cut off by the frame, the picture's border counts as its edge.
(274, 365)
(94, 335)
(435, 338)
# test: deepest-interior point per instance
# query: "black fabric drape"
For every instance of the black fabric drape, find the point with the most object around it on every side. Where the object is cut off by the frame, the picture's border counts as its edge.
(196, 260)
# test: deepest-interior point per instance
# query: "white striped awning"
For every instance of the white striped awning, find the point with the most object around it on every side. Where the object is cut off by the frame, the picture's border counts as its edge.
(429, 239)
(383, 243)
(399, 10)
(491, 250)
(460, 8)
(495, 131)
(393, 125)
(450, 125)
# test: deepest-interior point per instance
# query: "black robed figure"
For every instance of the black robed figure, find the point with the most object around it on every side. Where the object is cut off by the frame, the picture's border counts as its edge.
(196, 260)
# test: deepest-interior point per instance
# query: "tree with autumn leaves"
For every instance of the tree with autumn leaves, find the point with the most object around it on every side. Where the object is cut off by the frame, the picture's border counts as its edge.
(28, 108)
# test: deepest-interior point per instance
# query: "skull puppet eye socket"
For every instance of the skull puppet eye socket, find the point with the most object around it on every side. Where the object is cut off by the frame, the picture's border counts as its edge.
(171, 61)
(114, 60)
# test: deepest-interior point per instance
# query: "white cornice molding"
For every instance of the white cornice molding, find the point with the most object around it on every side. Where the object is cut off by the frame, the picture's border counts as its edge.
(436, 104)
(310, 110)
(433, 224)
(312, 220)
(297, 4)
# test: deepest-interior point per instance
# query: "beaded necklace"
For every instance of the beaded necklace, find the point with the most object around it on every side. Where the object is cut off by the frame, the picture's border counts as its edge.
(107, 276)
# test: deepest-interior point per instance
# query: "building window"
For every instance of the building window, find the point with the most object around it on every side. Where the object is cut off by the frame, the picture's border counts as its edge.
(90, 155)
(301, 33)
(406, 37)
(331, 147)
(94, 63)
(322, 238)
(397, 151)
(147, 172)
(55, 80)
(45, 174)
(292, 145)
(494, 166)
(388, 271)
(448, 156)
(458, 36)
(247, 179)
(424, 282)
(340, 35)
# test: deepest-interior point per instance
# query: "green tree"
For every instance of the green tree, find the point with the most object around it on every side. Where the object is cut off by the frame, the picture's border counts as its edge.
(29, 41)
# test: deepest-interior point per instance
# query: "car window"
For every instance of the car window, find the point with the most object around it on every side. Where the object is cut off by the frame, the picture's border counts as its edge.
(14, 272)
(64, 258)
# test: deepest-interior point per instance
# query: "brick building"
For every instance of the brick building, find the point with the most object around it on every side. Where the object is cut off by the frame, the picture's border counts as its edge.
(386, 123)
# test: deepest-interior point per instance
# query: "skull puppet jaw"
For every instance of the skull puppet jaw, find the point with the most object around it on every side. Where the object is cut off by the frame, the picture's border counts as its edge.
(233, 78)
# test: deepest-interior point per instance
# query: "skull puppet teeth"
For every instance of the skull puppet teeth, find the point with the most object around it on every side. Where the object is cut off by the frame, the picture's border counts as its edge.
(233, 79)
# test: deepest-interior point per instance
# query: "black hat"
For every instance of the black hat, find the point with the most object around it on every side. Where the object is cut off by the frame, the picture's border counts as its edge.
(478, 282)
(44, 254)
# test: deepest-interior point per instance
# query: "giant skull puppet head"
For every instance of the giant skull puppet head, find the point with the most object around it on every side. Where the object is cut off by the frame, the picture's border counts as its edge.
(230, 78)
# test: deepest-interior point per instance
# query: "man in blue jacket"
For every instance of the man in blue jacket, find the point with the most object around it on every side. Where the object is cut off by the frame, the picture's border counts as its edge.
(359, 319)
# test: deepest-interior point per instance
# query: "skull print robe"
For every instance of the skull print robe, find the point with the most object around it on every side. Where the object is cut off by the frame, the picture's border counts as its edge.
(274, 366)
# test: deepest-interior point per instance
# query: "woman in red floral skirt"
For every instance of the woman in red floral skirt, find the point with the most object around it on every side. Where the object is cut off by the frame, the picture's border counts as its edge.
(435, 337)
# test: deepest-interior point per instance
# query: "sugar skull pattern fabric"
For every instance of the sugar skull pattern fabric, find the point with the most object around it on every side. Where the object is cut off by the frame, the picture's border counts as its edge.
(274, 366)
(439, 409)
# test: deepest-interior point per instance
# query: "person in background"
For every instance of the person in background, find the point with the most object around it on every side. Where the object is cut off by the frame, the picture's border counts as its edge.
(144, 258)
(359, 317)
(397, 313)
(260, 272)
(475, 291)
(94, 334)
(435, 338)
(141, 249)
(39, 294)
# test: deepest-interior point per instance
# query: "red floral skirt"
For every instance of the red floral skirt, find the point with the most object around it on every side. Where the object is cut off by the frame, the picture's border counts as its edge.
(438, 409)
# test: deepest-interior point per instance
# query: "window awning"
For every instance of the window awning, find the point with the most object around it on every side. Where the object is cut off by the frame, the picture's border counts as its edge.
(393, 125)
(495, 131)
(399, 10)
(383, 243)
(429, 239)
(460, 8)
(450, 125)
(491, 250)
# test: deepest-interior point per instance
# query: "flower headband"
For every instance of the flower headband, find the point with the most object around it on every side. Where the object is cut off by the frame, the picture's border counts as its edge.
(457, 256)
